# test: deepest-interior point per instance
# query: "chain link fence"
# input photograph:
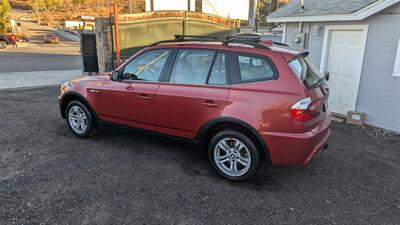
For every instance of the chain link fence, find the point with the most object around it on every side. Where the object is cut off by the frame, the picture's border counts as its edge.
(139, 30)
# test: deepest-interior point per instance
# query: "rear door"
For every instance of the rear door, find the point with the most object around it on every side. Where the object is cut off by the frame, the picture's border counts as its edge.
(196, 91)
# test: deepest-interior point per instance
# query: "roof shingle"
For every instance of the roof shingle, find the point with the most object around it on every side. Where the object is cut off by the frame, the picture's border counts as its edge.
(321, 7)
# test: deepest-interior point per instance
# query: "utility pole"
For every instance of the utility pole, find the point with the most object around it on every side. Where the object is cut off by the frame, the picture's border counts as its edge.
(252, 12)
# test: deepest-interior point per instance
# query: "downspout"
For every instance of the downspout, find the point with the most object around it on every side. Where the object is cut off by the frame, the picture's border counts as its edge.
(307, 36)
(300, 27)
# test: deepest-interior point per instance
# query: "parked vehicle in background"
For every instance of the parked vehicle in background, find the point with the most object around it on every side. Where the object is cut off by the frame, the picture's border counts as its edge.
(51, 38)
(245, 100)
(6, 39)
(3, 42)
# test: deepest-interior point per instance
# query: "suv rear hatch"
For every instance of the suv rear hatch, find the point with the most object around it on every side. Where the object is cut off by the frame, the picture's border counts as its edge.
(315, 105)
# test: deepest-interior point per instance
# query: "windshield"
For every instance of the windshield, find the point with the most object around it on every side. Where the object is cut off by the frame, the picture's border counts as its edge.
(306, 72)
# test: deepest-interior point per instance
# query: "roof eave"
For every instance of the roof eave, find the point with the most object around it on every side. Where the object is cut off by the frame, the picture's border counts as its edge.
(356, 16)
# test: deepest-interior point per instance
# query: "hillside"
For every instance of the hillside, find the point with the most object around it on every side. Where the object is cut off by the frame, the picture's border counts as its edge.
(71, 9)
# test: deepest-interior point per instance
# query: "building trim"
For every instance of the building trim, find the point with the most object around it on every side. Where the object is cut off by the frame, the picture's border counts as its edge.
(356, 16)
(284, 33)
(396, 68)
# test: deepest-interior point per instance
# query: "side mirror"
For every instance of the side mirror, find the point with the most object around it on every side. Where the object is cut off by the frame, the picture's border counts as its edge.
(115, 76)
(326, 75)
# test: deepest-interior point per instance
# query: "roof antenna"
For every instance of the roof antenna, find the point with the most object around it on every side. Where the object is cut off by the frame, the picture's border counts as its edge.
(302, 4)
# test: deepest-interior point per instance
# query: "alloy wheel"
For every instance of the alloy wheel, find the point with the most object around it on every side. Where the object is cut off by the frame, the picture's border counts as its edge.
(232, 157)
(77, 119)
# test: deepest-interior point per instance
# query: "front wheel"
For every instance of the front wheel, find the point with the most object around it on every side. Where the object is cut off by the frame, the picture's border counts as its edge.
(80, 120)
(234, 155)
(3, 44)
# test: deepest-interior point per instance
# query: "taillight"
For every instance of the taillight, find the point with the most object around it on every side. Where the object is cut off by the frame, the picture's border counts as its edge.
(302, 110)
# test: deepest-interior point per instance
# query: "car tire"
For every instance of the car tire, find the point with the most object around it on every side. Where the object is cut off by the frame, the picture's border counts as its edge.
(3, 44)
(80, 120)
(234, 155)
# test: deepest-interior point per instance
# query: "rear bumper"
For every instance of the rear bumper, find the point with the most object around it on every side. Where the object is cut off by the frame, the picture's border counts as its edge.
(290, 149)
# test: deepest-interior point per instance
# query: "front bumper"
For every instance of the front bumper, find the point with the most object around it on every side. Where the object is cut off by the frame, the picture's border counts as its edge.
(59, 100)
(292, 149)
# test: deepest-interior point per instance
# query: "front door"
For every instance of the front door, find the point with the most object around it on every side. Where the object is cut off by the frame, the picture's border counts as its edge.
(344, 61)
(130, 101)
(196, 92)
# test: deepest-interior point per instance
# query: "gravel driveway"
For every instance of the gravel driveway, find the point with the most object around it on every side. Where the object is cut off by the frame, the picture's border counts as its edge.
(48, 176)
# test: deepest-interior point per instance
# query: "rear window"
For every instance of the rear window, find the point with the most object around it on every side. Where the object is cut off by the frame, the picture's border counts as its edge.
(306, 72)
(254, 68)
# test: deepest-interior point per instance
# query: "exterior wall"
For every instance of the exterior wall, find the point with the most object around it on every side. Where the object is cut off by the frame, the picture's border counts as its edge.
(379, 93)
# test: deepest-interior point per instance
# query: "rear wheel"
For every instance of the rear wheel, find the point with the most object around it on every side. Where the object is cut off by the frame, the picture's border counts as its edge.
(3, 44)
(234, 155)
(80, 120)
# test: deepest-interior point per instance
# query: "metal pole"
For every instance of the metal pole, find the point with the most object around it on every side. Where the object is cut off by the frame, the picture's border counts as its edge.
(116, 25)
(151, 5)
(130, 6)
(112, 37)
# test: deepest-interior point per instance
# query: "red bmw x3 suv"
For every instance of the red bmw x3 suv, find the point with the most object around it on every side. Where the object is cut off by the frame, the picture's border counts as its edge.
(247, 101)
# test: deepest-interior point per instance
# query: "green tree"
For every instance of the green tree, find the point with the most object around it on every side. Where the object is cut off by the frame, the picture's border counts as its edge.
(5, 9)
(266, 7)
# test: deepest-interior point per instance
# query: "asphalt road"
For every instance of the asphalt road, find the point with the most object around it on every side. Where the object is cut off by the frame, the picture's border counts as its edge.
(48, 176)
(39, 56)
(32, 60)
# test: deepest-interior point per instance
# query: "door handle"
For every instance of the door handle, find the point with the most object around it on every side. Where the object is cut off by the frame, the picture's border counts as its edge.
(210, 104)
(144, 97)
(129, 88)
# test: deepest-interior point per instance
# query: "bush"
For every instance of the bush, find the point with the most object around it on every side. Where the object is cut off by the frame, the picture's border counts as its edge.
(5, 9)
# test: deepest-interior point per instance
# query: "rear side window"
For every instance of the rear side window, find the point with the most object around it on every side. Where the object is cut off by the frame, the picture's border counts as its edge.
(306, 72)
(199, 67)
(255, 68)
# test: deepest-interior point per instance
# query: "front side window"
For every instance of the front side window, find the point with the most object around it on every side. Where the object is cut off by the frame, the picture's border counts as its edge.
(192, 66)
(306, 71)
(254, 68)
(146, 67)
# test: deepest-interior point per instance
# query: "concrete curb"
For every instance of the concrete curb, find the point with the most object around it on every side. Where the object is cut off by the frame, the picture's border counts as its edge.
(68, 35)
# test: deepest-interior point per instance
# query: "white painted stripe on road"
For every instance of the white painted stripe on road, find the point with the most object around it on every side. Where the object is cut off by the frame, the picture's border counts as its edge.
(37, 78)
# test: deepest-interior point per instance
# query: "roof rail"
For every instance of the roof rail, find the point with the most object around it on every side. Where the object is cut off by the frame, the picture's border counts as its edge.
(280, 43)
(253, 41)
(183, 37)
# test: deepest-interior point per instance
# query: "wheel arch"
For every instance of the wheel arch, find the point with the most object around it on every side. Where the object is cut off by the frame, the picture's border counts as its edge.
(71, 96)
(209, 129)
